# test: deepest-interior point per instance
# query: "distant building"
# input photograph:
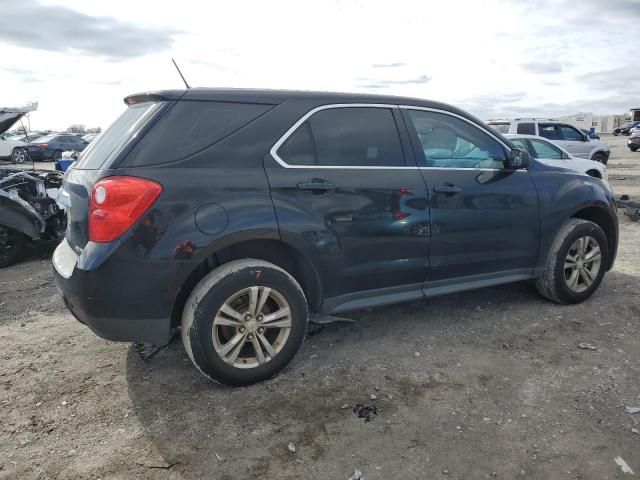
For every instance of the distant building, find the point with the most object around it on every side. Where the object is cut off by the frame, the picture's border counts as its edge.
(635, 114)
(599, 123)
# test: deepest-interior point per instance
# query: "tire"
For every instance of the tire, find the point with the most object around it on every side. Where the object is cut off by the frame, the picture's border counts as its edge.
(57, 155)
(18, 155)
(553, 283)
(600, 157)
(12, 245)
(633, 149)
(204, 337)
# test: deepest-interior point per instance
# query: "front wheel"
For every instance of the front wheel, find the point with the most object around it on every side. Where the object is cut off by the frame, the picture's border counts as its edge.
(12, 245)
(18, 155)
(600, 157)
(576, 262)
(244, 322)
(633, 149)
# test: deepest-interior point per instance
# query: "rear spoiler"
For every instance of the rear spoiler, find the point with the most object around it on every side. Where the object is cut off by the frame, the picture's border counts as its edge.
(154, 96)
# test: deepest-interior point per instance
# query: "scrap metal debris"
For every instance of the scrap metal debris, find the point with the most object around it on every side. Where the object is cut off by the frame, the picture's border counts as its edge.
(586, 346)
(291, 447)
(145, 350)
(632, 409)
(325, 319)
(631, 207)
(357, 475)
(623, 465)
(367, 412)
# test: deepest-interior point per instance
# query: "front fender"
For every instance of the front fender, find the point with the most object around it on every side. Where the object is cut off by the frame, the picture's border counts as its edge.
(562, 195)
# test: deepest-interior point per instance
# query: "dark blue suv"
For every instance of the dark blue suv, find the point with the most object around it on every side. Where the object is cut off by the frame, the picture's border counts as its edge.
(50, 147)
(236, 214)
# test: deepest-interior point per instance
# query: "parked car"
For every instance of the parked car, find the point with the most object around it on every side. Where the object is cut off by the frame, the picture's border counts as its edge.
(546, 152)
(634, 142)
(235, 214)
(89, 137)
(634, 130)
(592, 135)
(625, 128)
(50, 147)
(13, 150)
(571, 138)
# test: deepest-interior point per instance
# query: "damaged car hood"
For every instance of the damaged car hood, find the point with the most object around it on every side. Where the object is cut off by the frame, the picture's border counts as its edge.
(10, 115)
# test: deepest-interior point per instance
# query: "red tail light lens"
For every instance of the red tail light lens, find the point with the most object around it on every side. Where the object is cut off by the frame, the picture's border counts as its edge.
(43, 146)
(117, 203)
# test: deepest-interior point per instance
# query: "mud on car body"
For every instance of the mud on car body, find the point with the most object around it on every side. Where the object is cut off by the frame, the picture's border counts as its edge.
(236, 214)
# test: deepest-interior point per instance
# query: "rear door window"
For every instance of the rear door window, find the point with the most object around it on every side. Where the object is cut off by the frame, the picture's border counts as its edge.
(346, 137)
(526, 128)
(114, 138)
(191, 126)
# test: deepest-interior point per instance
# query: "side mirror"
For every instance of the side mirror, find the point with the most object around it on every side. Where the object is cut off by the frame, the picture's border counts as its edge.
(565, 156)
(518, 159)
(585, 137)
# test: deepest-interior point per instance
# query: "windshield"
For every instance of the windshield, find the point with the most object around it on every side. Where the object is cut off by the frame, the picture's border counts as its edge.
(113, 139)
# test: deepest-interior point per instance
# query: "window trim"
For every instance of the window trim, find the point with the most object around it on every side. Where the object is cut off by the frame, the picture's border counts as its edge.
(294, 127)
(274, 149)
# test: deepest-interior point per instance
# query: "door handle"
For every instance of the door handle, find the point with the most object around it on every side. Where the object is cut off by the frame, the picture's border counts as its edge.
(450, 189)
(317, 186)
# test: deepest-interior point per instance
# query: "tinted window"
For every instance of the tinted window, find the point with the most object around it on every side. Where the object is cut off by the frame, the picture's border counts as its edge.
(550, 131)
(448, 141)
(116, 136)
(519, 143)
(61, 139)
(570, 133)
(190, 127)
(526, 129)
(544, 149)
(361, 136)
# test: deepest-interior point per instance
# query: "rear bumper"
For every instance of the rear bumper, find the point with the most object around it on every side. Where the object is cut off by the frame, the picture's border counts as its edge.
(120, 302)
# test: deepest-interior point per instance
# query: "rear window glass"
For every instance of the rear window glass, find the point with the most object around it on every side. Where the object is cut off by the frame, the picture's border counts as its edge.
(114, 138)
(189, 127)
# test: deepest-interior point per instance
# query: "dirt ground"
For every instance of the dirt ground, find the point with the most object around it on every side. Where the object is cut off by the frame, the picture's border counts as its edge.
(486, 384)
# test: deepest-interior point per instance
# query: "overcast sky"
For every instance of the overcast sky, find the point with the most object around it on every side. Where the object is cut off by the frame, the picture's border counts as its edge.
(495, 58)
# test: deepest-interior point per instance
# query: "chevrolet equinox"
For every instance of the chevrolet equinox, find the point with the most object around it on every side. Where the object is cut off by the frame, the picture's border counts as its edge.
(236, 214)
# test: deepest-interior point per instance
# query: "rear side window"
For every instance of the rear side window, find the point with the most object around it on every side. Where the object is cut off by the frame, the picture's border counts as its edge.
(189, 127)
(526, 129)
(114, 138)
(346, 137)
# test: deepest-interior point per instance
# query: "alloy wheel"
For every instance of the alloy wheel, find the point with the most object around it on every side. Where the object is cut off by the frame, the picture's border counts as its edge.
(582, 264)
(251, 327)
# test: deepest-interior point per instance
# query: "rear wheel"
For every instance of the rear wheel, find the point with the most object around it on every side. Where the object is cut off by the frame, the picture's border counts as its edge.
(576, 262)
(12, 245)
(18, 155)
(244, 322)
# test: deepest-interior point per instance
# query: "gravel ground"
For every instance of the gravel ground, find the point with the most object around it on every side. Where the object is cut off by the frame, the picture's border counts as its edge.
(494, 383)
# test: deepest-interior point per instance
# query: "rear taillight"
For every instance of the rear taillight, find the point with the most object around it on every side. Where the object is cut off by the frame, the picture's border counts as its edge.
(117, 203)
(43, 146)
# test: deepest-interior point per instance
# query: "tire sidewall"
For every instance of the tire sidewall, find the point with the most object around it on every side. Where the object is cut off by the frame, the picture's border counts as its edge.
(581, 230)
(205, 309)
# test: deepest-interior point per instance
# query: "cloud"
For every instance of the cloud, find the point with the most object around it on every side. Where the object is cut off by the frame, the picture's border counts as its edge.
(542, 67)
(24, 74)
(385, 83)
(27, 23)
(388, 65)
(616, 79)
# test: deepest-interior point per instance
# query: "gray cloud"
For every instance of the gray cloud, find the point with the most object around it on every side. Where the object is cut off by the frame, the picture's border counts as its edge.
(616, 79)
(544, 67)
(385, 83)
(24, 74)
(26, 23)
(388, 65)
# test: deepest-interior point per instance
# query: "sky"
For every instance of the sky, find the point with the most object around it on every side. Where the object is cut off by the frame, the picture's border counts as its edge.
(493, 58)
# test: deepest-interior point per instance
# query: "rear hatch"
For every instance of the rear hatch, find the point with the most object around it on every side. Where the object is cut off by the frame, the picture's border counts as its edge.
(95, 163)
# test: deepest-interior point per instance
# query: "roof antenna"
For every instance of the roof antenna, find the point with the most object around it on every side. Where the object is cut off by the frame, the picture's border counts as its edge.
(181, 76)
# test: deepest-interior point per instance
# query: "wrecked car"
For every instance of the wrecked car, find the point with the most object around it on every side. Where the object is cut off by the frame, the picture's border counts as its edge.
(29, 211)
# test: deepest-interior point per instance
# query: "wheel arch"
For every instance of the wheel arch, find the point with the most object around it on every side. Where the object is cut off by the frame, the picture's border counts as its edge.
(601, 217)
(275, 251)
(594, 173)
